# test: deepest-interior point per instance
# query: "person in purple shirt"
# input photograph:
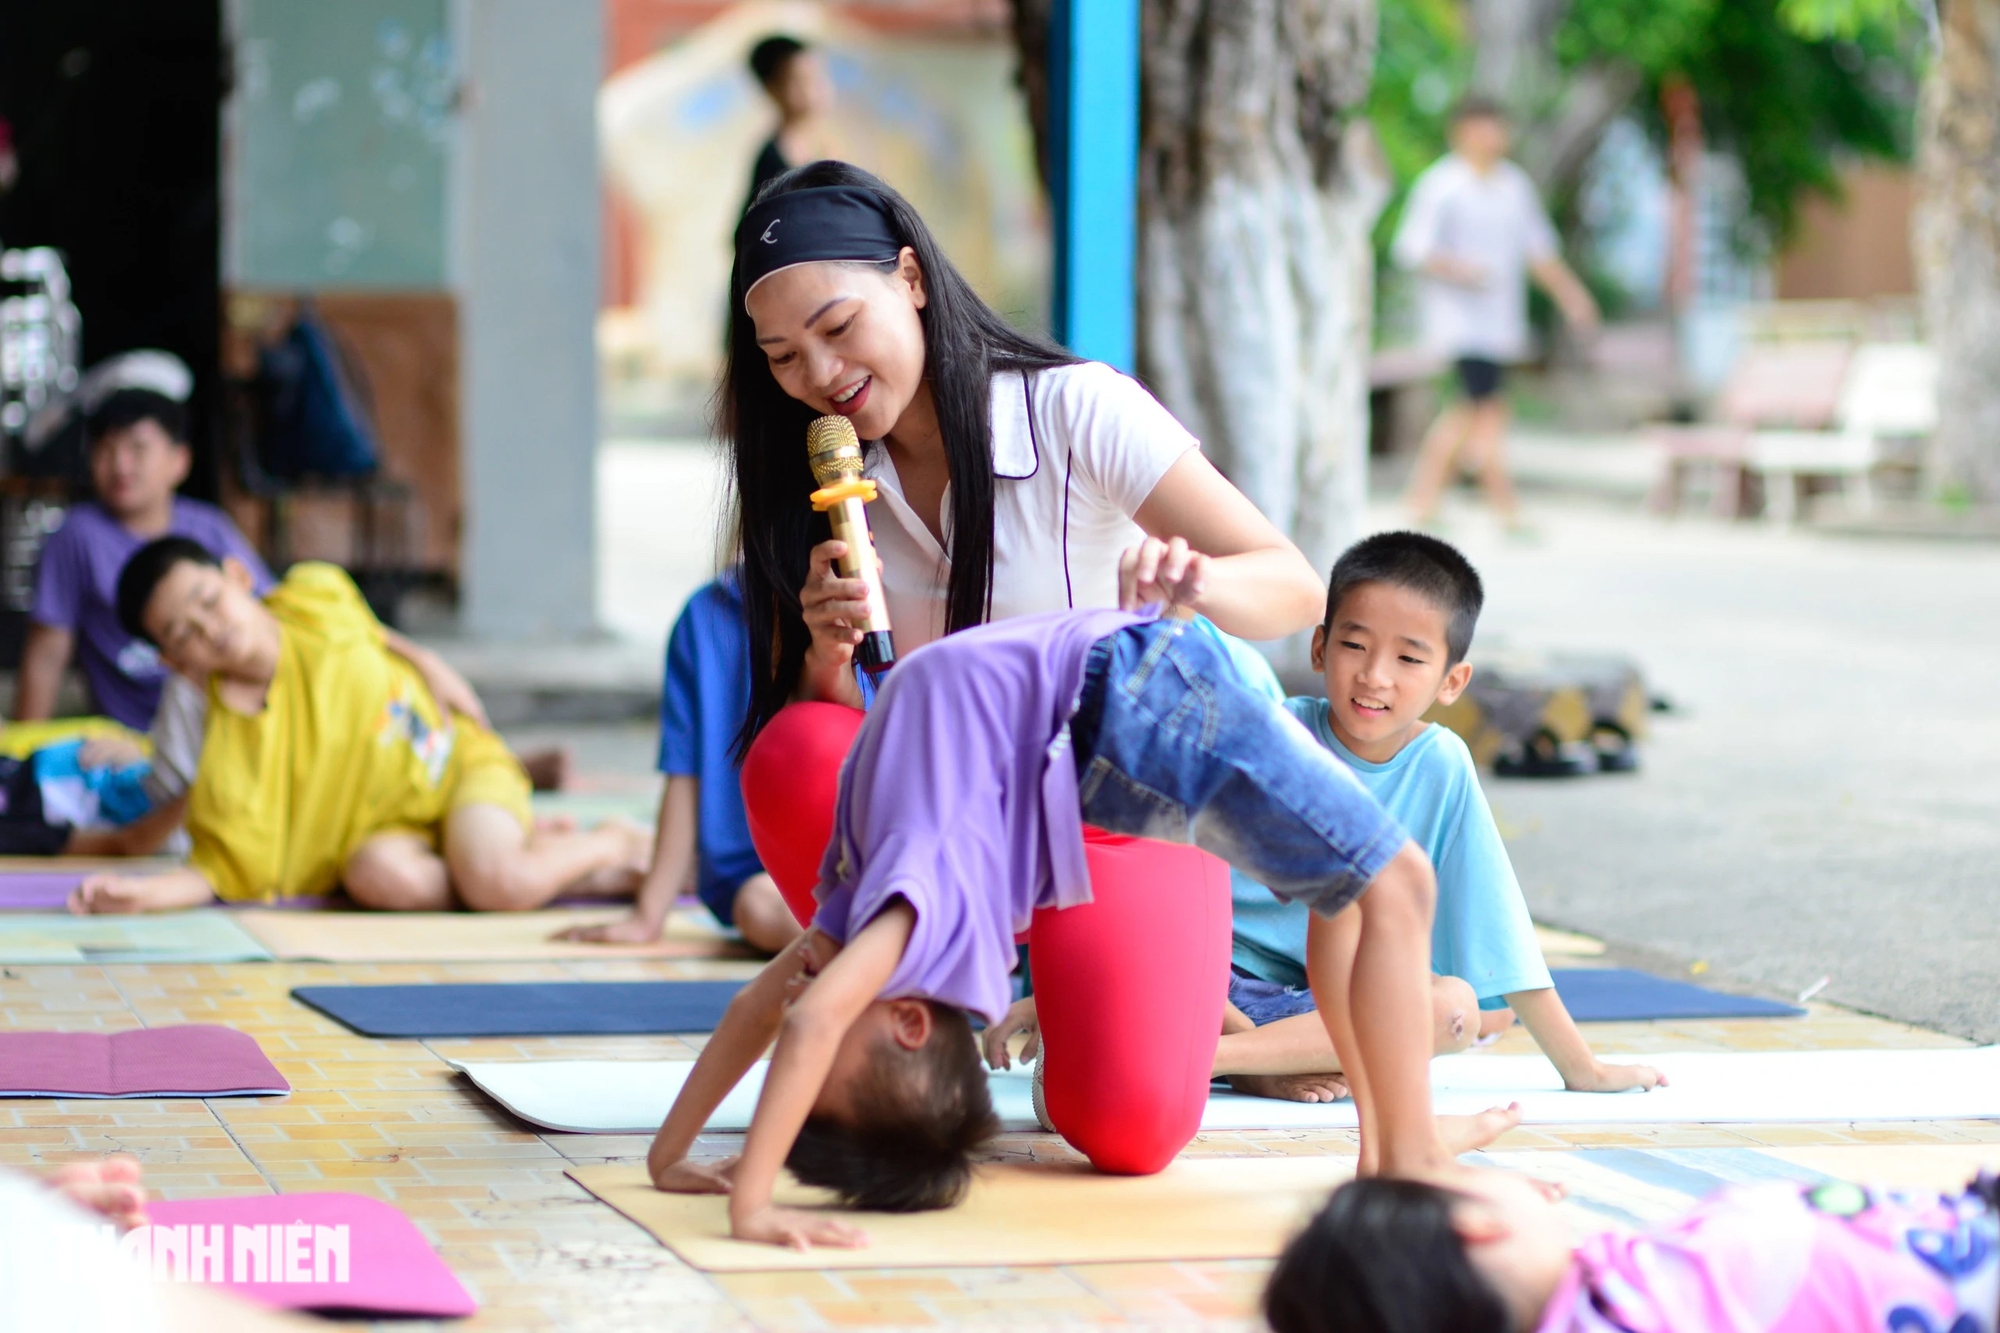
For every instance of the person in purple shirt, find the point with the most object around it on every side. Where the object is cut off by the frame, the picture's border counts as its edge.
(961, 811)
(139, 455)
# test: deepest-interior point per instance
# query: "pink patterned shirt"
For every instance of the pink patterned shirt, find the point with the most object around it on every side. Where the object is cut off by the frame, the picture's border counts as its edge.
(1831, 1258)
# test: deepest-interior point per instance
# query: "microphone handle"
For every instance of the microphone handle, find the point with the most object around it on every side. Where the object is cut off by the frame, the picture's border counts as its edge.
(877, 650)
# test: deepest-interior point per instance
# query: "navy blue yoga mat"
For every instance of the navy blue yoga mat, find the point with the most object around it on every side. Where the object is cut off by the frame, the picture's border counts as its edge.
(1620, 994)
(525, 1009)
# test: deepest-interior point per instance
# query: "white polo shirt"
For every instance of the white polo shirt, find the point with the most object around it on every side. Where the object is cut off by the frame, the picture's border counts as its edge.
(1495, 221)
(1069, 476)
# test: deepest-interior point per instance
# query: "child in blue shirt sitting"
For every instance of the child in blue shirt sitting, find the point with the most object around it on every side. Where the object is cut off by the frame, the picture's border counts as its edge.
(1400, 611)
(702, 825)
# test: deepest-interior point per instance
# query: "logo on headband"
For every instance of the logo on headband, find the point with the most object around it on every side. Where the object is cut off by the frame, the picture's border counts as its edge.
(767, 238)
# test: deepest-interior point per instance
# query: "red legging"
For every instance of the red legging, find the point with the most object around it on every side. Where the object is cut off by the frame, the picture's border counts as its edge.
(1129, 987)
(791, 777)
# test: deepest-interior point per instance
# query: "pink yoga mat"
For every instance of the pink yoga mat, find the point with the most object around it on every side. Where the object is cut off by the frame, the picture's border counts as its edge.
(36, 890)
(285, 1250)
(191, 1060)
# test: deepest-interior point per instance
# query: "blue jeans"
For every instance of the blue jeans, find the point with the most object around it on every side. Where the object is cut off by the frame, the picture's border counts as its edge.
(1268, 1001)
(1171, 745)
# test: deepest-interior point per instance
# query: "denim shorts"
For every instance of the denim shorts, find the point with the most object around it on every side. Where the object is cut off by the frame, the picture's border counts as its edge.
(1171, 743)
(1268, 1001)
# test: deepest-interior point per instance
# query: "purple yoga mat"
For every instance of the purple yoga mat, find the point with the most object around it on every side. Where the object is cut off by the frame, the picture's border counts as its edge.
(191, 1060)
(36, 890)
(295, 1244)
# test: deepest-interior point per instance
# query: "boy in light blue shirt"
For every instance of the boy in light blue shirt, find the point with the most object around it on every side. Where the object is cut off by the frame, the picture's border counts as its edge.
(1401, 608)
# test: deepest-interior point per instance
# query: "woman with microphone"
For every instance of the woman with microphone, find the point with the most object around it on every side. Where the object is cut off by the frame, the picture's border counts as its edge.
(1013, 478)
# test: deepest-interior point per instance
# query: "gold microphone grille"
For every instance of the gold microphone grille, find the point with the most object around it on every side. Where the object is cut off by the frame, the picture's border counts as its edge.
(834, 448)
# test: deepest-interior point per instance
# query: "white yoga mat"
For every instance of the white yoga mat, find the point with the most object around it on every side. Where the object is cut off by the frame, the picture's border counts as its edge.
(632, 1097)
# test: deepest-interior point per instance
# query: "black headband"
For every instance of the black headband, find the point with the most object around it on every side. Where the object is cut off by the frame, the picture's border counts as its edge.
(829, 223)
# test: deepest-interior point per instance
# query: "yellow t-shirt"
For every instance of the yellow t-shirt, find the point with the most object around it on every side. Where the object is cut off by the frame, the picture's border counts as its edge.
(349, 744)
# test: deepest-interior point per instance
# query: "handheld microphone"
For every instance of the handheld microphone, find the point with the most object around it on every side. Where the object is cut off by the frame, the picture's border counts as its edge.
(836, 464)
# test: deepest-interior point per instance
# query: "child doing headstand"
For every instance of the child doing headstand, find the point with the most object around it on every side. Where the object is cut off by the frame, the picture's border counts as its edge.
(960, 812)
(328, 759)
(1491, 1254)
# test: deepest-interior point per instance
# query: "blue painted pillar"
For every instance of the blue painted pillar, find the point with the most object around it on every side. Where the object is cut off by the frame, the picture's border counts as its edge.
(1094, 172)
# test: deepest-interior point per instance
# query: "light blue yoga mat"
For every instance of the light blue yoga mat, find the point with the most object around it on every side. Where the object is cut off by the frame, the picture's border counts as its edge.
(207, 935)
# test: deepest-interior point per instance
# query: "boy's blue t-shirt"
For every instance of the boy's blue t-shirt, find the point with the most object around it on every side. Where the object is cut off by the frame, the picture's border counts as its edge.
(706, 698)
(1482, 932)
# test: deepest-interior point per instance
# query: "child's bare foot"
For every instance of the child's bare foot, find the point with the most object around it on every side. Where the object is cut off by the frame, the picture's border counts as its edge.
(548, 768)
(555, 824)
(1469, 1133)
(633, 847)
(636, 842)
(1292, 1087)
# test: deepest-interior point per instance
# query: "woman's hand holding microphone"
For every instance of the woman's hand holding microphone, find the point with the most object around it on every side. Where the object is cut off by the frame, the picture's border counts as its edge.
(832, 606)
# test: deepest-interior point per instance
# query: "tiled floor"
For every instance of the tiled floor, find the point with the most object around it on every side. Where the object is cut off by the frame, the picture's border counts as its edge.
(391, 1119)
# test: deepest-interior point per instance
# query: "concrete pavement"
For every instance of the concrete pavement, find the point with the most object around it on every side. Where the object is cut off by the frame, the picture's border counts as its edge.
(1826, 800)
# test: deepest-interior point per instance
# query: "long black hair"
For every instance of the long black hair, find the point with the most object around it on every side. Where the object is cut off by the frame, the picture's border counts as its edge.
(965, 344)
(1382, 1257)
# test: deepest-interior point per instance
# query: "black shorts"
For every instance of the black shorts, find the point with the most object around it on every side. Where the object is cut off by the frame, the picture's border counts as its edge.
(1479, 377)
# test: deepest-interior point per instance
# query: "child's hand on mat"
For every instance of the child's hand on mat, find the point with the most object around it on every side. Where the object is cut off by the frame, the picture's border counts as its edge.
(1601, 1077)
(797, 1230)
(110, 1188)
(634, 929)
(686, 1177)
(1020, 1018)
(103, 895)
(1165, 572)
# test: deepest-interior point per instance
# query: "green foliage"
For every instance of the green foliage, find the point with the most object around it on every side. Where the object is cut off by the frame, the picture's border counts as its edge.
(1787, 105)
(1660, 37)
(1845, 19)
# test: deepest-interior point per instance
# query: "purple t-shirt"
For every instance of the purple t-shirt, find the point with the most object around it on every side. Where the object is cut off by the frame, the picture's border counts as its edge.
(960, 797)
(76, 589)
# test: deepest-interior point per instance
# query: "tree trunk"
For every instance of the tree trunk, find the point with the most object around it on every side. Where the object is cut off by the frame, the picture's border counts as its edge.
(1257, 191)
(1956, 237)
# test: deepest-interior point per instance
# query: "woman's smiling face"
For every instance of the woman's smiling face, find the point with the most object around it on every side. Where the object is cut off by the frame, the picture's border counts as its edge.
(845, 338)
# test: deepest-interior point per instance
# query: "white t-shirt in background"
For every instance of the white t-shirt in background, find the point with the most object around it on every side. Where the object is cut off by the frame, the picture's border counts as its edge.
(1064, 495)
(1495, 222)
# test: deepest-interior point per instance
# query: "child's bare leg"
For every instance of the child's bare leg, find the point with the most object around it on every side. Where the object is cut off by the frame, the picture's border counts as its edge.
(1293, 1059)
(397, 872)
(1390, 1006)
(1289, 1060)
(497, 867)
(1331, 944)
(762, 916)
(1435, 458)
(1488, 444)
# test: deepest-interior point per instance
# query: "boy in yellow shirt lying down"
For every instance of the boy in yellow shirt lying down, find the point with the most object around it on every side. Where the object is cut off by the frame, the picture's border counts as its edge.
(326, 760)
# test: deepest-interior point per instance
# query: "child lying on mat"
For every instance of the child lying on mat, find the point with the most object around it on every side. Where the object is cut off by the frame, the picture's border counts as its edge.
(1400, 612)
(960, 812)
(328, 759)
(1492, 1253)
